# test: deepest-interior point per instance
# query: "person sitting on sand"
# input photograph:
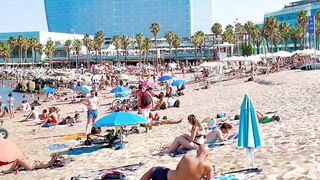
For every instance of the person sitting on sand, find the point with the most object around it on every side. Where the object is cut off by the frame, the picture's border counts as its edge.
(162, 103)
(21, 163)
(189, 168)
(51, 119)
(33, 116)
(43, 115)
(219, 134)
(25, 106)
(157, 120)
(5, 112)
(187, 141)
(266, 119)
(70, 120)
(169, 90)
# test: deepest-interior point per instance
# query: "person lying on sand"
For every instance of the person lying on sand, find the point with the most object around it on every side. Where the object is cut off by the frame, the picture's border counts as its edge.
(157, 120)
(189, 168)
(219, 134)
(21, 163)
(70, 120)
(187, 141)
(263, 118)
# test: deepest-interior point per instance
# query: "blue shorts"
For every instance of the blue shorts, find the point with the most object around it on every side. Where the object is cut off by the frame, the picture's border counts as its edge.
(160, 173)
(92, 114)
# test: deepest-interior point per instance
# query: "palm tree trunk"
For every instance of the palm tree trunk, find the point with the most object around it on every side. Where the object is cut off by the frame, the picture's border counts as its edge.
(118, 56)
(100, 56)
(176, 53)
(32, 56)
(170, 53)
(20, 54)
(156, 44)
(286, 45)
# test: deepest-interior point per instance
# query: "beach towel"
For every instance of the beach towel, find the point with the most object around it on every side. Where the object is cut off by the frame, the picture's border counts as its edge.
(179, 152)
(219, 143)
(128, 170)
(75, 136)
(83, 150)
(57, 146)
(238, 175)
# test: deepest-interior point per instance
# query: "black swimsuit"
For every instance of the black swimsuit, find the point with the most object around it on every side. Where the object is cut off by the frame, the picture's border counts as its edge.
(160, 173)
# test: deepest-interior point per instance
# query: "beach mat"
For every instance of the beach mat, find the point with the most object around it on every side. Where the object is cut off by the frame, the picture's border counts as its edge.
(96, 174)
(238, 175)
(75, 136)
(83, 150)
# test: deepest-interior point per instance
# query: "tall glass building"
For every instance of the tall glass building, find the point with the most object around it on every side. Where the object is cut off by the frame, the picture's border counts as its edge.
(290, 12)
(118, 17)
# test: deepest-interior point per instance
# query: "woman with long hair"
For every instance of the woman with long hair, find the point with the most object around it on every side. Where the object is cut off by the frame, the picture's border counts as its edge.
(187, 141)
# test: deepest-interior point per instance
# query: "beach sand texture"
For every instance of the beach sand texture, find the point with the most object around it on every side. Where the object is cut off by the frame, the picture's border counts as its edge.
(292, 145)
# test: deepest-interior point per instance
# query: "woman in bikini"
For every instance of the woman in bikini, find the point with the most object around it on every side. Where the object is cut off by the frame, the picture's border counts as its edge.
(187, 141)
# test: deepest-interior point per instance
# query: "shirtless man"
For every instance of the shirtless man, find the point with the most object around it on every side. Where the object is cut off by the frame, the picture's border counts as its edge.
(34, 116)
(189, 168)
(219, 134)
(92, 105)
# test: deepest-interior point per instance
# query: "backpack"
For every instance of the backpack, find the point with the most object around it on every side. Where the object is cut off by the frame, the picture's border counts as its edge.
(146, 99)
(176, 103)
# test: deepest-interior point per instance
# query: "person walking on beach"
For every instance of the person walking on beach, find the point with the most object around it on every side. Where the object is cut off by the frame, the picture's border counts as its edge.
(189, 168)
(92, 104)
(11, 108)
(145, 103)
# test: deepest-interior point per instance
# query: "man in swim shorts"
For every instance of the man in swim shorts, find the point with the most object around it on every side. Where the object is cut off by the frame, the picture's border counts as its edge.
(92, 104)
(189, 168)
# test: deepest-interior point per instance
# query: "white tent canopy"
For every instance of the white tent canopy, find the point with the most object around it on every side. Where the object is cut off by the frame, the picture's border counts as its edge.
(282, 54)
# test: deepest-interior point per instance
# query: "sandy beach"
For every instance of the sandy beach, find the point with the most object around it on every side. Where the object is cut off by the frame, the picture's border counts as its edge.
(292, 145)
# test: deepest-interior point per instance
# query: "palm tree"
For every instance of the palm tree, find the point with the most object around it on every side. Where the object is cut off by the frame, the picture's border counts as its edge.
(39, 48)
(139, 40)
(5, 52)
(33, 43)
(256, 33)
(216, 30)
(49, 50)
(25, 47)
(96, 47)
(87, 43)
(99, 38)
(169, 38)
(155, 29)
(285, 34)
(270, 27)
(248, 28)
(146, 46)
(12, 43)
(303, 23)
(19, 42)
(125, 42)
(317, 26)
(228, 34)
(68, 48)
(239, 31)
(77, 48)
(276, 39)
(116, 41)
(258, 43)
(176, 43)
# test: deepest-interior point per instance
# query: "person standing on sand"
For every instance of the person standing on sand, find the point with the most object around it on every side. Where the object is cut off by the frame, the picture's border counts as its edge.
(11, 108)
(189, 168)
(92, 104)
(0, 103)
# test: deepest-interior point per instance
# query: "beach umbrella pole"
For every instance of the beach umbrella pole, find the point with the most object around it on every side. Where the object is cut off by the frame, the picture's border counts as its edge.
(250, 152)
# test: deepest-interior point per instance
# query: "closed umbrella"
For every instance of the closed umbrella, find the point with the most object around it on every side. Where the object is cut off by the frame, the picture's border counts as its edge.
(165, 78)
(9, 152)
(250, 136)
(120, 89)
(49, 90)
(178, 82)
(83, 89)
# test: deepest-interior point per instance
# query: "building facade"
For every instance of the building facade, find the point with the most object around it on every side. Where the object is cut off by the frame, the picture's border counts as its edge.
(290, 12)
(129, 17)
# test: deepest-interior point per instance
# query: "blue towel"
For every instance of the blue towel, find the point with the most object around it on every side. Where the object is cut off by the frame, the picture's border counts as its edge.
(179, 152)
(57, 146)
(82, 150)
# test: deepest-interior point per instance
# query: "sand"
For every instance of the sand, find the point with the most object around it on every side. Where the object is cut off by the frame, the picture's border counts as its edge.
(291, 151)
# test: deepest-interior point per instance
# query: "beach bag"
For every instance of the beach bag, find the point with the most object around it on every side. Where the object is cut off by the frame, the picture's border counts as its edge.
(176, 103)
(221, 115)
(146, 99)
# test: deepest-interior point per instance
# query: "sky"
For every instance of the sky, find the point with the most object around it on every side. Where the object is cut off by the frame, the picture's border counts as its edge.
(29, 15)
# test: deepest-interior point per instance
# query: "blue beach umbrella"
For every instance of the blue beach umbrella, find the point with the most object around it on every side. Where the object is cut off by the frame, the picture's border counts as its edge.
(120, 89)
(83, 89)
(178, 82)
(165, 78)
(120, 119)
(250, 136)
(49, 90)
